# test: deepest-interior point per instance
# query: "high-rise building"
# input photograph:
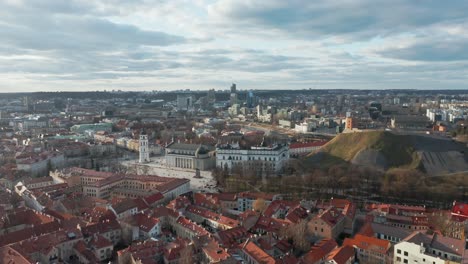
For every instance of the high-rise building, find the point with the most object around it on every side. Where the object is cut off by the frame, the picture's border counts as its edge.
(144, 154)
(250, 100)
(184, 102)
(233, 88)
(211, 95)
(233, 99)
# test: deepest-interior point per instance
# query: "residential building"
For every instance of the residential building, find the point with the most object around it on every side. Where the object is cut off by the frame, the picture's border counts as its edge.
(253, 254)
(370, 249)
(328, 223)
(424, 248)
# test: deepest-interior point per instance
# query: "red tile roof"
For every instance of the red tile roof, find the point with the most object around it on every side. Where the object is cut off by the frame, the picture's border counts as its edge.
(146, 251)
(193, 227)
(101, 227)
(230, 237)
(10, 256)
(331, 216)
(368, 243)
(460, 211)
(256, 195)
(319, 251)
(295, 215)
(145, 222)
(342, 254)
(156, 197)
(81, 248)
(269, 224)
(205, 213)
(256, 253)
(46, 243)
(99, 242)
(214, 252)
(23, 234)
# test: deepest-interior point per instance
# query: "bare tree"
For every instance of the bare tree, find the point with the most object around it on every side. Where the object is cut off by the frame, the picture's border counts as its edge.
(259, 205)
(186, 255)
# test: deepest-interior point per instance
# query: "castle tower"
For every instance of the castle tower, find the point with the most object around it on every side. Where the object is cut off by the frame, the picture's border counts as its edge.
(144, 154)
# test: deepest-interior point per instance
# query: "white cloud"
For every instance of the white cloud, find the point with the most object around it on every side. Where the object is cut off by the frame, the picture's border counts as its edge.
(171, 44)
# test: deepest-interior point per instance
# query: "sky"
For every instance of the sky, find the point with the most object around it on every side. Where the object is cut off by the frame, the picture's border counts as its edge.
(77, 45)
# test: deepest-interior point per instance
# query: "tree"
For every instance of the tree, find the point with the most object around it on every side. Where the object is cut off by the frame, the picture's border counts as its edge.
(259, 205)
(15, 199)
(297, 233)
(186, 255)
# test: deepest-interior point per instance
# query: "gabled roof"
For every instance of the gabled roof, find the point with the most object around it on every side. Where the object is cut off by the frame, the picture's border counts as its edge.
(370, 229)
(124, 206)
(98, 242)
(256, 253)
(102, 227)
(296, 214)
(9, 255)
(439, 242)
(229, 237)
(150, 200)
(145, 222)
(341, 255)
(319, 251)
(331, 216)
(368, 243)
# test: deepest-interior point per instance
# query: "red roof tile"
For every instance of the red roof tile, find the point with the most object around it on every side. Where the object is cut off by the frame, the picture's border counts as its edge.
(256, 253)
(342, 254)
(368, 243)
(319, 251)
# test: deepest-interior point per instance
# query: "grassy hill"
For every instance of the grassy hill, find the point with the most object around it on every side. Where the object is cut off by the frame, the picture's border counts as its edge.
(389, 150)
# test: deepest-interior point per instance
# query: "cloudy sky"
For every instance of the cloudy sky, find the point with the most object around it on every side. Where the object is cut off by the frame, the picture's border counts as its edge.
(58, 45)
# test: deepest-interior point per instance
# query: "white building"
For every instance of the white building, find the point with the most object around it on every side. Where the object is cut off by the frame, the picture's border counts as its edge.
(185, 102)
(144, 153)
(303, 127)
(263, 115)
(190, 156)
(431, 249)
(272, 158)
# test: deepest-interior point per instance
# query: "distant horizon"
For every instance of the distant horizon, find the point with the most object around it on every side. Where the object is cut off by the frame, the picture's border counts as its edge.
(227, 90)
(55, 45)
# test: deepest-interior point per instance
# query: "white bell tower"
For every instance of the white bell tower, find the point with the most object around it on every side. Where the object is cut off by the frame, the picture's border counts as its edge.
(144, 154)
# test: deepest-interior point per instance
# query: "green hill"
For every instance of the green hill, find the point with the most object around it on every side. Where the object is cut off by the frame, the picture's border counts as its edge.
(378, 149)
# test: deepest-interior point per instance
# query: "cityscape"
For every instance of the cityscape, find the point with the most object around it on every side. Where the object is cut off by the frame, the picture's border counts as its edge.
(234, 176)
(233, 132)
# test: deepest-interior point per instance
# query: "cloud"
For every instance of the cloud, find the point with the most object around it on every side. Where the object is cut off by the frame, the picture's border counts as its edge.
(171, 44)
(431, 50)
(353, 19)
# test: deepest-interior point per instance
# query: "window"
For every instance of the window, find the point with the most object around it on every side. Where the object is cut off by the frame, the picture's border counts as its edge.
(398, 251)
(406, 253)
(405, 261)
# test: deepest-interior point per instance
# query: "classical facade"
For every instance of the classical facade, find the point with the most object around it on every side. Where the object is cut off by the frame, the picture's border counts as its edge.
(272, 158)
(190, 156)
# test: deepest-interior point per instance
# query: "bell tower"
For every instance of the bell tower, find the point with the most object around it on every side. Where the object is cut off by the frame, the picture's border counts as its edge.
(144, 154)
